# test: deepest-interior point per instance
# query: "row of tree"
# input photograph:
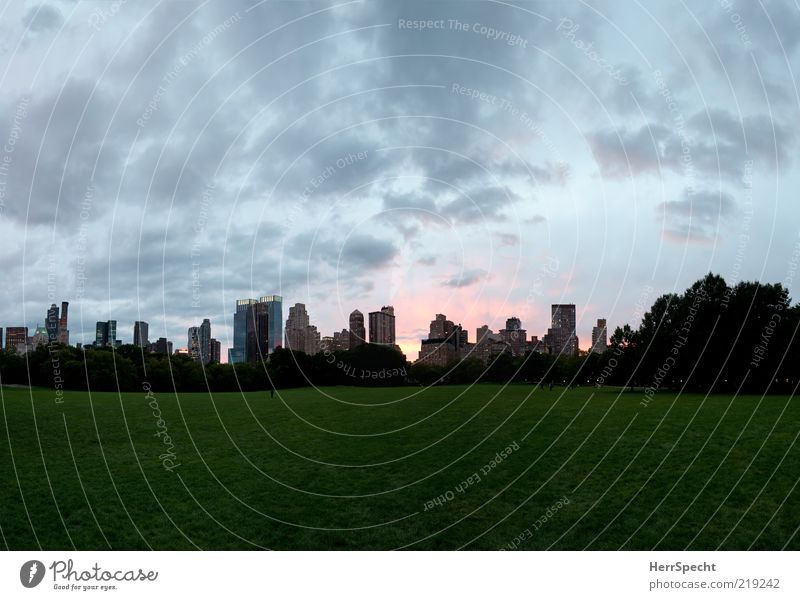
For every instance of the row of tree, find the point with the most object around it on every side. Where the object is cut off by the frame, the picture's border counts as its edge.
(713, 337)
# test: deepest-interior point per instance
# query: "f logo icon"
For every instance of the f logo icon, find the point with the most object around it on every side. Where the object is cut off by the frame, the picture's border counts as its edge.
(31, 573)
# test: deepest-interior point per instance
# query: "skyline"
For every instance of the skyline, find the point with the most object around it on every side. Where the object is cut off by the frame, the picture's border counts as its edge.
(152, 170)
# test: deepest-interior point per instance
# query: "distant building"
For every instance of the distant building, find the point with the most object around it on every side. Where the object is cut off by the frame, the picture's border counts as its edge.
(40, 337)
(489, 345)
(105, 334)
(193, 343)
(562, 338)
(274, 307)
(341, 340)
(1, 338)
(515, 336)
(600, 337)
(300, 335)
(446, 343)
(205, 341)
(16, 336)
(216, 352)
(140, 334)
(238, 353)
(51, 323)
(63, 325)
(382, 326)
(358, 333)
(161, 346)
(257, 329)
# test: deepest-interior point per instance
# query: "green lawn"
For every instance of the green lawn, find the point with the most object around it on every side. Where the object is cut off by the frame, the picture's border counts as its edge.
(354, 468)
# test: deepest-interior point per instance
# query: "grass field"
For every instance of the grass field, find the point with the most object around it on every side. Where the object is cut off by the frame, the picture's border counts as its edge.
(354, 468)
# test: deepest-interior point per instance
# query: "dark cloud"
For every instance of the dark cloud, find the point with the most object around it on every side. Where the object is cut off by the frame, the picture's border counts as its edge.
(42, 18)
(466, 278)
(696, 217)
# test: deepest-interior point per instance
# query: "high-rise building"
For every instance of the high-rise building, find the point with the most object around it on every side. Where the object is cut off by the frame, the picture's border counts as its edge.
(193, 344)
(358, 333)
(257, 329)
(216, 352)
(440, 327)
(515, 336)
(105, 334)
(16, 337)
(275, 320)
(162, 346)
(63, 325)
(140, 334)
(205, 341)
(562, 338)
(382, 326)
(446, 342)
(238, 353)
(600, 337)
(340, 340)
(300, 335)
(51, 323)
(1, 338)
(257, 340)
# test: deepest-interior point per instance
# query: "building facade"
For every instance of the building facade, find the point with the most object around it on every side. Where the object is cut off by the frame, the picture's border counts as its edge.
(562, 338)
(600, 337)
(358, 332)
(140, 334)
(382, 326)
(16, 337)
(300, 335)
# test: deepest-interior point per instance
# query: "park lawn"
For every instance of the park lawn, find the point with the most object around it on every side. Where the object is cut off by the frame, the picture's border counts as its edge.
(360, 468)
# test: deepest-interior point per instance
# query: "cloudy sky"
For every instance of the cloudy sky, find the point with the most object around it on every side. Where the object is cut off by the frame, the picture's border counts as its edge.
(478, 159)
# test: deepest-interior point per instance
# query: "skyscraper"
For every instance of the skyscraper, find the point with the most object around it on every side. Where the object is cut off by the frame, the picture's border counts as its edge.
(358, 333)
(216, 352)
(275, 320)
(16, 336)
(257, 327)
(51, 323)
(63, 325)
(600, 337)
(238, 353)
(140, 334)
(300, 335)
(561, 338)
(105, 334)
(381, 326)
(205, 341)
(193, 343)
(515, 336)
(162, 346)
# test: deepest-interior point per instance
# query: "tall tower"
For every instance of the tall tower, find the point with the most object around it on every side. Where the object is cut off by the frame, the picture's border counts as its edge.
(358, 333)
(381, 326)
(51, 323)
(205, 341)
(274, 307)
(63, 325)
(300, 335)
(561, 337)
(600, 337)
(238, 354)
(140, 334)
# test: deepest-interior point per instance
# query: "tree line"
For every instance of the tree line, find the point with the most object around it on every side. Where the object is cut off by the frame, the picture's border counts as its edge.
(713, 337)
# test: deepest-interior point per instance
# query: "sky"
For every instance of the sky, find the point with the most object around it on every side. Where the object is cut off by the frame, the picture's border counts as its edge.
(479, 159)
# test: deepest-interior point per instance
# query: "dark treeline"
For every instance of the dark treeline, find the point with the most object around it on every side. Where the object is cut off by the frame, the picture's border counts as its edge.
(710, 338)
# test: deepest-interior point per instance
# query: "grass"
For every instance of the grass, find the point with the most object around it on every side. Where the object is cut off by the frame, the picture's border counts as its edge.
(354, 468)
